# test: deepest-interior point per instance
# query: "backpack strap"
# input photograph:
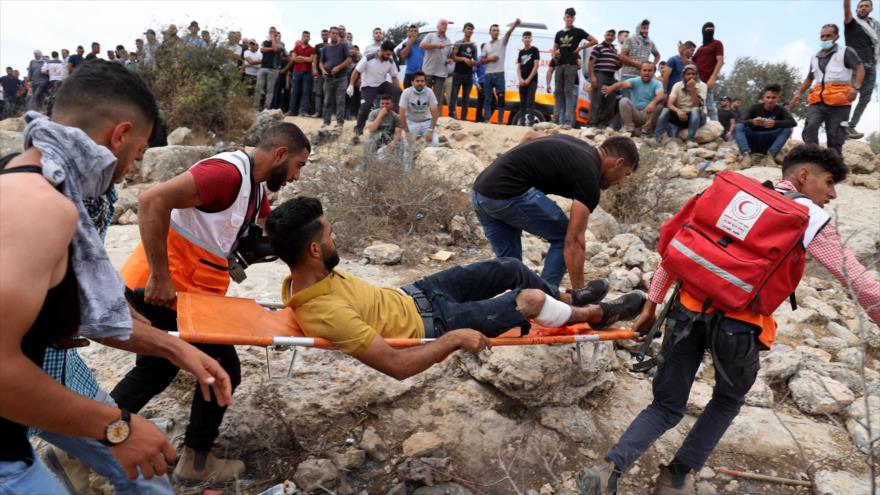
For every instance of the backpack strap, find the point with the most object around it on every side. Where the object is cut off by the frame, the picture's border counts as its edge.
(792, 195)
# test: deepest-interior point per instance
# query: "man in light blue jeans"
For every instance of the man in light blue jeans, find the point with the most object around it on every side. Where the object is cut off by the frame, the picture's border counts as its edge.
(493, 58)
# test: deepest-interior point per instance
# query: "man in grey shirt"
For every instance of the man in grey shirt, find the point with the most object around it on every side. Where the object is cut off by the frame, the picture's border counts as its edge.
(418, 111)
(493, 59)
(39, 81)
(438, 49)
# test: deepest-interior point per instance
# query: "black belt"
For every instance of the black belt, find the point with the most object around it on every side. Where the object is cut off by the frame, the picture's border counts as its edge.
(426, 309)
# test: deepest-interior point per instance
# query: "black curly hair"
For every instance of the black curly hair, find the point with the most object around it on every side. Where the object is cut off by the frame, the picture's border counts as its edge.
(812, 154)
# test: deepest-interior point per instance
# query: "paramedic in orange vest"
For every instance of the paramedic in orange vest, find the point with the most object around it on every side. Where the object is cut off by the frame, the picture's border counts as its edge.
(189, 227)
(812, 171)
(835, 89)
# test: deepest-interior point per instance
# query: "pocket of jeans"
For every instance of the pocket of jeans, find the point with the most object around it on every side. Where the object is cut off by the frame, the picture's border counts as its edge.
(736, 341)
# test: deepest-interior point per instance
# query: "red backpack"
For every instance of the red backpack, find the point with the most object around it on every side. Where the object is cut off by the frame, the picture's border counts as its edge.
(739, 244)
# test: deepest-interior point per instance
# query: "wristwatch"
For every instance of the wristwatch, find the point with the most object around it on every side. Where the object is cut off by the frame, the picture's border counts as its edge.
(118, 431)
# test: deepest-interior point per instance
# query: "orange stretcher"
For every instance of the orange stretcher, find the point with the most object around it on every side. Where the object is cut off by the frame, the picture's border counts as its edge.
(210, 319)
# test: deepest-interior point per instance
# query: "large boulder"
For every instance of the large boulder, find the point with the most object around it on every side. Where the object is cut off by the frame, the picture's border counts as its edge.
(841, 483)
(459, 167)
(11, 142)
(706, 134)
(817, 394)
(166, 162)
(603, 225)
(263, 121)
(858, 156)
(544, 375)
(384, 253)
(856, 420)
(12, 124)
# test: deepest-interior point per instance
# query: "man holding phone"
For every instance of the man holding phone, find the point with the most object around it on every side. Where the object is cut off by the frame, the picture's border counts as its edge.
(766, 126)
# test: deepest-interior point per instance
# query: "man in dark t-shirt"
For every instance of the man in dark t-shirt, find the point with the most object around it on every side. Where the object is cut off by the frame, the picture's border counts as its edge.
(464, 54)
(566, 50)
(858, 30)
(766, 126)
(509, 196)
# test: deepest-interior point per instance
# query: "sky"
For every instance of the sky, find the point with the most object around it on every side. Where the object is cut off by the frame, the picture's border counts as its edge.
(765, 29)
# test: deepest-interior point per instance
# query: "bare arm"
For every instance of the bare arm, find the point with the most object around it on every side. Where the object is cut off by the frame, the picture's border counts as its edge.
(154, 217)
(719, 61)
(404, 363)
(658, 97)
(531, 135)
(510, 31)
(342, 65)
(533, 74)
(626, 60)
(404, 53)
(591, 42)
(355, 77)
(847, 12)
(575, 243)
(656, 54)
(373, 125)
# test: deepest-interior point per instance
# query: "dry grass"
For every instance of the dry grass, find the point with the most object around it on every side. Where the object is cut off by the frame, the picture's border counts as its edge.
(642, 196)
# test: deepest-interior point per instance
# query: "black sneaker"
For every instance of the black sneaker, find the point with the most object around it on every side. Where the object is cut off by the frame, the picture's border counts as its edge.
(356, 139)
(591, 293)
(625, 307)
(601, 479)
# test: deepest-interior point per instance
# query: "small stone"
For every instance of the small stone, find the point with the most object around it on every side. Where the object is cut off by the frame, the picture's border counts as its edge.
(732, 487)
(635, 255)
(384, 253)
(706, 473)
(443, 489)
(812, 351)
(817, 394)
(851, 356)
(832, 345)
(841, 483)
(688, 172)
(373, 444)
(426, 470)
(600, 260)
(181, 136)
(459, 136)
(313, 474)
(350, 459)
(844, 333)
(398, 489)
(547, 489)
(128, 218)
(454, 126)
(706, 488)
(423, 444)
(760, 395)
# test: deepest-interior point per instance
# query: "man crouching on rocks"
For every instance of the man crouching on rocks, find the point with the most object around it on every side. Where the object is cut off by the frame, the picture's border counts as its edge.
(458, 307)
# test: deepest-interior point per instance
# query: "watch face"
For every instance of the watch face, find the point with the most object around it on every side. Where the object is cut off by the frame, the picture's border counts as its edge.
(118, 431)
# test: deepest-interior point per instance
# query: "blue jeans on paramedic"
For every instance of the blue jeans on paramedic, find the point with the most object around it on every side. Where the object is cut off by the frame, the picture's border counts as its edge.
(28, 477)
(504, 221)
(300, 89)
(468, 296)
(493, 90)
(769, 141)
(737, 350)
(670, 120)
(98, 457)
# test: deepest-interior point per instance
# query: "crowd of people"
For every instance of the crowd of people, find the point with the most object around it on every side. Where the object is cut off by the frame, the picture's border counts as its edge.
(58, 194)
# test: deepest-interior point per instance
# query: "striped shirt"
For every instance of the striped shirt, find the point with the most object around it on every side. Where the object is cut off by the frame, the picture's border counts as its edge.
(605, 58)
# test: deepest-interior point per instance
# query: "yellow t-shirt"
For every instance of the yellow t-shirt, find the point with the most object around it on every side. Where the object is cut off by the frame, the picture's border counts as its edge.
(350, 312)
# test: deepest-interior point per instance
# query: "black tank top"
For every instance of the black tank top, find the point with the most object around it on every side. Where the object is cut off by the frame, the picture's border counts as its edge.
(59, 318)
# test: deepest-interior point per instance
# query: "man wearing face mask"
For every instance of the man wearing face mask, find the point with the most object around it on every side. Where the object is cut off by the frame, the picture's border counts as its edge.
(190, 229)
(830, 100)
(862, 34)
(709, 59)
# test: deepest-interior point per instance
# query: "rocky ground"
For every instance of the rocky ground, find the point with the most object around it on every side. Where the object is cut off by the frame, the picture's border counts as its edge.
(526, 420)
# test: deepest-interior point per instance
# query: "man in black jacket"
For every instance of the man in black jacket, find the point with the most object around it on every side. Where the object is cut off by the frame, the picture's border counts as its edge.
(766, 126)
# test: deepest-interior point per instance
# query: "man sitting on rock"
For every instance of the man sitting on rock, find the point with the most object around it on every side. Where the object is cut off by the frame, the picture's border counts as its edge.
(639, 110)
(384, 129)
(765, 127)
(686, 106)
(812, 172)
(459, 307)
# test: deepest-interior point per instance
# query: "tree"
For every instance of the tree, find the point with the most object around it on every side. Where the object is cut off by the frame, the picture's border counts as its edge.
(750, 75)
(874, 141)
(397, 32)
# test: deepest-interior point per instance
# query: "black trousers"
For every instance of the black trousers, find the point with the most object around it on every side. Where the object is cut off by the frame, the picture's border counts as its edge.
(151, 375)
(602, 107)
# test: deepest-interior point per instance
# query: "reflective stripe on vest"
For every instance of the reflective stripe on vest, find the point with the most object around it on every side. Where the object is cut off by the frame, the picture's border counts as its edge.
(218, 232)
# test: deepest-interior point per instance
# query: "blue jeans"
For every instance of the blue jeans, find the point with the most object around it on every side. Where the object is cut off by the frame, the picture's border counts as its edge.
(300, 89)
(737, 350)
(27, 478)
(770, 141)
(98, 457)
(710, 104)
(494, 91)
(504, 221)
(481, 295)
(696, 119)
(567, 86)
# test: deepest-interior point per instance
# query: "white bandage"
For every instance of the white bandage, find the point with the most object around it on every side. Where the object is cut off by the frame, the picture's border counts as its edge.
(553, 313)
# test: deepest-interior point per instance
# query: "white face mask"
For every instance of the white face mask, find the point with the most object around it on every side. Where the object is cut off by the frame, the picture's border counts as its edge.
(418, 91)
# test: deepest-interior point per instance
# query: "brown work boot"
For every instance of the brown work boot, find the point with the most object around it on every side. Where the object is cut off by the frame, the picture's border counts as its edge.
(665, 485)
(72, 472)
(601, 479)
(204, 466)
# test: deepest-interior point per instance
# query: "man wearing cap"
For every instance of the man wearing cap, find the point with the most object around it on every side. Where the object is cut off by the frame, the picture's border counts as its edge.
(685, 106)
(193, 39)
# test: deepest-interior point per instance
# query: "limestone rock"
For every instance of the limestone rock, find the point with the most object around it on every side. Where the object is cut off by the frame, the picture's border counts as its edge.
(398, 489)
(832, 345)
(841, 483)
(426, 470)
(11, 142)
(423, 444)
(635, 255)
(181, 136)
(760, 395)
(453, 125)
(12, 124)
(546, 126)
(128, 218)
(166, 162)
(623, 280)
(706, 134)
(838, 372)
(603, 225)
(857, 155)
(314, 475)
(817, 394)
(384, 253)
(843, 333)
(543, 375)
(459, 167)
(459, 135)
(349, 459)
(373, 445)
(263, 121)
(855, 423)
(622, 242)
(851, 356)
(325, 135)
(688, 172)
(459, 228)
(571, 421)
(443, 489)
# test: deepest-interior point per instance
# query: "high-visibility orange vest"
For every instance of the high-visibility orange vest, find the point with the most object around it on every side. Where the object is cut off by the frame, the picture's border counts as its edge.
(833, 84)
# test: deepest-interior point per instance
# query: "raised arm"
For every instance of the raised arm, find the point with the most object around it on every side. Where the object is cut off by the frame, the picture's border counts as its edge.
(847, 12)
(507, 34)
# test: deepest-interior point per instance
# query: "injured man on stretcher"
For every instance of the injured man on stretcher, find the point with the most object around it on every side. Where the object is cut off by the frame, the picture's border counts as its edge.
(460, 307)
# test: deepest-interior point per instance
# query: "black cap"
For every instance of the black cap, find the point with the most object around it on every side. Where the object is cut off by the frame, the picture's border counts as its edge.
(194, 24)
(150, 31)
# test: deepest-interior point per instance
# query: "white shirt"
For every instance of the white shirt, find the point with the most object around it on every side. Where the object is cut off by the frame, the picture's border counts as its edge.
(252, 57)
(491, 49)
(374, 71)
(55, 70)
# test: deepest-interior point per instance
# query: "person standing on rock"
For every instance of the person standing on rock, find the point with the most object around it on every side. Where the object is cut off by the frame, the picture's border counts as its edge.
(812, 173)
(567, 46)
(438, 49)
(459, 307)
(838, 73)
(191, 227)
(709, 59)
(509, 197)
(411, 54)
(604, 64)
(862, 34)
(102, 119)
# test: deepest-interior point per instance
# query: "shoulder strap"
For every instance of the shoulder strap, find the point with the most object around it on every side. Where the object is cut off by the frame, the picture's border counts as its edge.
(30, 169)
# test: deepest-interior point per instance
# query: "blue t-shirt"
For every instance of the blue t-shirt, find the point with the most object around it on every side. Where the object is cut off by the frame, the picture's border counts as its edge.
(677, 66)
(643, 93)
(414, 61)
